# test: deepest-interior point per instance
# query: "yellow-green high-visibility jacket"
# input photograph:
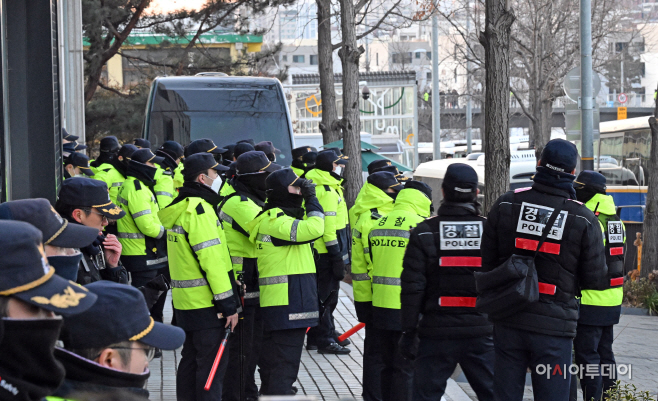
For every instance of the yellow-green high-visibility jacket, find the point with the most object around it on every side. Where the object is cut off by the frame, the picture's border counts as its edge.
(226, 190)
(603, 308)
(286, 267)
(327, 194)
(236, 213)
(379, 203)
(298, 171)
(140, 232)
(387, 239)
(368, 198)
(178, 178)
(112, 177)
(199, 264)
(164, 188)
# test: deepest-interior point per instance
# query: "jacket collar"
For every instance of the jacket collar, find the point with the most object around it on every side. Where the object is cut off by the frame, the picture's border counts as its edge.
(550, 190)
(457, 209)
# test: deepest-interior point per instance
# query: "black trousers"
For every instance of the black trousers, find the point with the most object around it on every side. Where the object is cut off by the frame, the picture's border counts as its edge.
(251, 330)
(281, 355)
(437, 360)
(197, 357)
(517, 350)
(593, 346)
(393, 373)
(141, 277)
(372, 368)
(157, 310)
(324, 333)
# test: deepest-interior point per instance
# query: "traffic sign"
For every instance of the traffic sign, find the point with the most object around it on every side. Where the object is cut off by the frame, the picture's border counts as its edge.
(622, 98)
(621, 111)
(571, 84)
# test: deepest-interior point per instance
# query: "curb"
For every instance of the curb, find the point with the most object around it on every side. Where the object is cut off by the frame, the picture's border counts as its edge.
(627, 310)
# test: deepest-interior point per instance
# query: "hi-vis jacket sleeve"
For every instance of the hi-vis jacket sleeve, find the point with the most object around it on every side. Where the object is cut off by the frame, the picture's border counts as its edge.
(213, 257)
(361, 280)
(329, 202)
(293, 230)
(141, 203)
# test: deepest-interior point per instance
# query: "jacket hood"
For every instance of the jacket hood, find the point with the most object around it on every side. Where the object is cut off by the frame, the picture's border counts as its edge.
(606, 204)
(321, 177)
(170, 215)
(370, 197)
(413, 200)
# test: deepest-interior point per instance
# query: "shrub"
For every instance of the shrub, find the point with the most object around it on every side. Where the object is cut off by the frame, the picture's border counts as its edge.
(627, 392)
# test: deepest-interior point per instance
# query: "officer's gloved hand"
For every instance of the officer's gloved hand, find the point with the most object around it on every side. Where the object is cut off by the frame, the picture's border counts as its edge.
(338, 268)
(408, 345)
(154, 289)
(307, 187)
(117, 274)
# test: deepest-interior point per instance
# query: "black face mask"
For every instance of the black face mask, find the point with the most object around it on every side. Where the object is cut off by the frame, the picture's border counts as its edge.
(255, 181)
(28, 367)
(66, 266)
(393, 195)
(584, 194)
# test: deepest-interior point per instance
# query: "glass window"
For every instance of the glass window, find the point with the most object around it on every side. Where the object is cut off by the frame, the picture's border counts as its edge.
(284, 57)
(297, 59)
(419, 53)
(314, 59)
(429, 55)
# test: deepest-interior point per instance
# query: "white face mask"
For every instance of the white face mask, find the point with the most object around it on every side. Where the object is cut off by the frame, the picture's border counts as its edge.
(339, 171)
(216, 184)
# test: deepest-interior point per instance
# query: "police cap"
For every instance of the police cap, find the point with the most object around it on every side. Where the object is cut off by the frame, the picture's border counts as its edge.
(79, 160)
(145, 155)
(87, 192)
(249, 141)
(310, 158)
(282, 178)
(68, 137)
(172, 148)
(382, 165)
(120, 314)
(142, 143)
(592, 179)
(56, 230)
(199, 163)
(460, 178)
(204, 145)
(110, 144)
(266, 147)
(69, 147)
(242, 147)
(419, 186)
(297, 153)
(384, 180)
(127, 151)
(326, 159)
(559, 155)
(26, 274)
(254, 162)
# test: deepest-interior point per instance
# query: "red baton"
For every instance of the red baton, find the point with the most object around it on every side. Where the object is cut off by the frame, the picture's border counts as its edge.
(351, 331)
(218, 358)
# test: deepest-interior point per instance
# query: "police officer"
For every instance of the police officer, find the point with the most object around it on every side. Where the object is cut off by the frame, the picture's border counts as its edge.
(142, 143)
(571, 259)
(227, 156)
(204, 292)
(108, 168)
(208, 146)
(330, 266)
(387, 239)
(240, 148)
(172, 154)
(77, 165)
(387, 165)
(298, 166)
(68, 137)
(438, 284)
(140, 232)
(236, 211)
(109, 148)
(286, 269)
(30, 296)
(382, 188)
(87, 202)
(600, 310)
(109, 346)
(268, 148)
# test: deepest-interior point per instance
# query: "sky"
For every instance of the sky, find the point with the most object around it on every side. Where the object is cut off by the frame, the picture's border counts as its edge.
(165, 6)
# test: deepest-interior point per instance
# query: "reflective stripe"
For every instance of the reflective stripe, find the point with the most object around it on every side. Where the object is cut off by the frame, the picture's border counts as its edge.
(153, 199)
(225, 217)
(548, 289)
(366, 250)
(156, 261)
(460, 261)
(346, 257)
(272, 280)
(117, 184)
(131, 235)
(304, 315)
(389, 233)
(329, 213)
(360, 277)
(331, 243)
(223, 295)
(197, 282)
(163, 193)
(237, 260)
(463, 302)
(161, 233)
(356, 234)
(386, 280)
(315, 214)
(142, 213)
(252, 295)
(264, 238)
(614, 282)
(206, 244)
(531, 245)
(617, 251)
(121, 200)
(177, 230)
(293, 231)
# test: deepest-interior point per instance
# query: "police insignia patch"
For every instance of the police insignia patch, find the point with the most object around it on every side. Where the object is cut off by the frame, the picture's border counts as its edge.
(457, 235)
(69, 299)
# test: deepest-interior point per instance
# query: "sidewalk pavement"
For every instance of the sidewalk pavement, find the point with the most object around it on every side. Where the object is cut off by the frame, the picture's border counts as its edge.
(324, 377)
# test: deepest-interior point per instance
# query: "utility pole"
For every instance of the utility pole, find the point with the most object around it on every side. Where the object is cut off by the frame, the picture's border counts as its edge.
(469, 117)
(586, 100)
(436, 101)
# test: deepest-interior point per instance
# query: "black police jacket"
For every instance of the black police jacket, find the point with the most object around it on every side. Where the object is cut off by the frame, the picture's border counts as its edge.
(437, 277)
(571, 259)
(93, 267)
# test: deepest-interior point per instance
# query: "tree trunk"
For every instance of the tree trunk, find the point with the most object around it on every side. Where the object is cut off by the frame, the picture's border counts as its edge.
(351, 124)
(546, 122)
(496, 39)
(650, 226)
(328, 125)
